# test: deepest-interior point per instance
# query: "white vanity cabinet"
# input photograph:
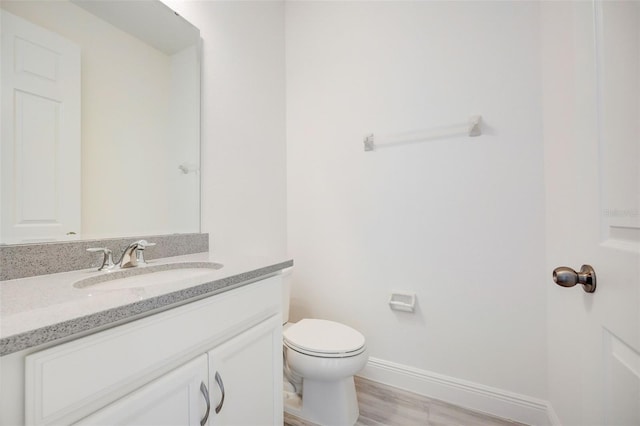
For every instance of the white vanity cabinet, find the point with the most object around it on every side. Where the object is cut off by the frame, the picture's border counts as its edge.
(157, 370)
(243, 385)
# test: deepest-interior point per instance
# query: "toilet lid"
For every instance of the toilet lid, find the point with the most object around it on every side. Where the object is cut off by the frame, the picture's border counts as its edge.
(323, 337)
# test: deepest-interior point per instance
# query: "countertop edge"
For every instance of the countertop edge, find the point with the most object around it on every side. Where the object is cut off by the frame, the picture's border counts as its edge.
(131, 311)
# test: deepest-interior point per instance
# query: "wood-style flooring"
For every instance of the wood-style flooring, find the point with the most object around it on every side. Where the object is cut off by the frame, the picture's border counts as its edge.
(382, 405)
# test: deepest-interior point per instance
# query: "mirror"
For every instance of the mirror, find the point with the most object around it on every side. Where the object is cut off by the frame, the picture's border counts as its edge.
(136, 167)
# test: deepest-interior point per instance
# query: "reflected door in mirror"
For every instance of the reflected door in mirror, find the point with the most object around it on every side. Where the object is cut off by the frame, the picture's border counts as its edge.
(40, 168)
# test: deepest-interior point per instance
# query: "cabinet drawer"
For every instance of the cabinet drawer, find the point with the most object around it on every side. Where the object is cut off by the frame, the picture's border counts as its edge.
(70, 381)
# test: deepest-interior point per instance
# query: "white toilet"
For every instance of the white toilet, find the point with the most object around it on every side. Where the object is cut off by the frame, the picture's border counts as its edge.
(321, 357)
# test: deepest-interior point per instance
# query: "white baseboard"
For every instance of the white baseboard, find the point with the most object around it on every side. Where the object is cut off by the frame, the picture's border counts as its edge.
(473, 396)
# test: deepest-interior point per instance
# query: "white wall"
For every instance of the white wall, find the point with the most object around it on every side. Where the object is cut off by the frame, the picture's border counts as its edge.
(243, 134)
(458, 221)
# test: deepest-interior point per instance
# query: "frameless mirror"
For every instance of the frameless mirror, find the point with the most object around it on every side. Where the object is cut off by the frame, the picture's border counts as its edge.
(100, 120)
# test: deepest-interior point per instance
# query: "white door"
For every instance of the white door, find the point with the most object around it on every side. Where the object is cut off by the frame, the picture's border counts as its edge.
(591, 77)
(40, 153)
(175, 399)
(245, 377)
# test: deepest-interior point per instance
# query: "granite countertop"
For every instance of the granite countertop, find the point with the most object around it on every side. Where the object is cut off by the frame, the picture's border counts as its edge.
(45, 308)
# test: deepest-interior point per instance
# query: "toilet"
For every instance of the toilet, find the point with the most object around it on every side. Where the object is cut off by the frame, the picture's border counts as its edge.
(320, 359)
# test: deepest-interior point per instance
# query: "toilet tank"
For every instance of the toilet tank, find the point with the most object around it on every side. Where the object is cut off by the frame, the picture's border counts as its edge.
(286, 293)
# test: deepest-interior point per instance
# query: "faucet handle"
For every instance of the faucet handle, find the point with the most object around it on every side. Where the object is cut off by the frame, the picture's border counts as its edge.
(142, 244)
(107, 260)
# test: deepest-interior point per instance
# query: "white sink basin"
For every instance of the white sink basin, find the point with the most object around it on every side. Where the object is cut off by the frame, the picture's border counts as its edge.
(145, 276)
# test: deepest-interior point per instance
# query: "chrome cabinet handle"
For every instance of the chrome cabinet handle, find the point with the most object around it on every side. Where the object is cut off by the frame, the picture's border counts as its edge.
(221, 385)
(205, 393)
(567, 277)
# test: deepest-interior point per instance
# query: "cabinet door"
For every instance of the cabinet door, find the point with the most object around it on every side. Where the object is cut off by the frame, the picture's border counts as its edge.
(173, 399)
(245, 377)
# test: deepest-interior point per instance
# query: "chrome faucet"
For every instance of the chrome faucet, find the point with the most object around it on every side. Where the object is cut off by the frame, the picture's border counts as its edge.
(132, 256)
(128, 258)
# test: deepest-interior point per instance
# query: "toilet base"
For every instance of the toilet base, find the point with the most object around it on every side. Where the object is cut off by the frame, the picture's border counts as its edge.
(327, 403)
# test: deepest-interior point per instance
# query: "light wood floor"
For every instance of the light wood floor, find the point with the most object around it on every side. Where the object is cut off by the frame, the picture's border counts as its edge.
(384, 405)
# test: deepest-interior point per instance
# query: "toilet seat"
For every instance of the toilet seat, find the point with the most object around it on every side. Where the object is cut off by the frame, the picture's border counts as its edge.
(324, 339)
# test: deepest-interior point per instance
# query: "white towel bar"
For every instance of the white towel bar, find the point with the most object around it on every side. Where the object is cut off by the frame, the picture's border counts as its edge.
(471, 128)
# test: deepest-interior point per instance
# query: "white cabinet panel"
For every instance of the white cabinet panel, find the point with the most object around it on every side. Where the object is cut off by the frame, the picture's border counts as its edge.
(174, 399)
(249, 369)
